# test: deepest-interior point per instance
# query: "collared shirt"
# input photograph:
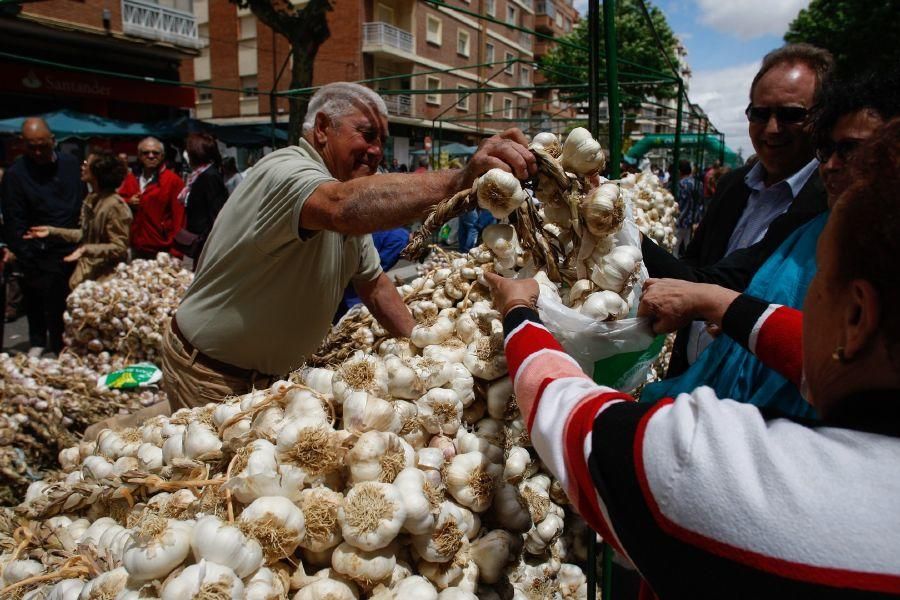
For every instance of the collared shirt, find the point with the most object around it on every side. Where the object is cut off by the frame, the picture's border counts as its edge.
(145, 181)
(766, 203)
(264, 294)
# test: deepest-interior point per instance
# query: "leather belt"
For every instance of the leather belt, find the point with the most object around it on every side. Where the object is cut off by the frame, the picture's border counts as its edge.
(217, 365)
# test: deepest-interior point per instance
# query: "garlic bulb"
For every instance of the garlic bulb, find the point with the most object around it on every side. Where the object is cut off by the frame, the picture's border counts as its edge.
(440, 410)
(200, 442)
(310, 444)
(320, 508)
(432, 331)
(379, 456)
(503, 243)
(471, 478)
(276, 523)
(265, 584)
(204, 579)
(618, 269)
(413, 488)
(415, 587)
(362, 565)
(603, 305)
(360, 373)
(499, 192)
(224, 544)
(17, 570)
(365, 412)
(157, 547)
(510, 509)
(549, 142)
(448, 537)
(257, 473)
(485, 360)
(372, 515)
(106, 585)
(581, 153)
(492, 552)
(603, 210)
(67, 589)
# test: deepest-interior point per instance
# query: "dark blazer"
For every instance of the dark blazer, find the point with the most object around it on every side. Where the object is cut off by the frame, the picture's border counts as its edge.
(703, 261)
(208, 195)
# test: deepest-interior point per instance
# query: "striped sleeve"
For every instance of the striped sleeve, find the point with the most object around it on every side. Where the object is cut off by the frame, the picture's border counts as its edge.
(560, 405)
(771, 332)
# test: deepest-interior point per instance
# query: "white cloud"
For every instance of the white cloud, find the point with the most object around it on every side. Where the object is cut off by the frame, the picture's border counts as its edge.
(723, 94)
(748, 19)
(582, 7)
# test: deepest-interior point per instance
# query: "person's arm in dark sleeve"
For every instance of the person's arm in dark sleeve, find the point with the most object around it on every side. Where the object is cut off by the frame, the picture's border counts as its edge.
(218, 194)
(15, 217)
(771, 332)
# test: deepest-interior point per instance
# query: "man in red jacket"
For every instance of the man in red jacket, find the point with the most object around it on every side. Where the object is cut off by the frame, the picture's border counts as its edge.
(153, 197)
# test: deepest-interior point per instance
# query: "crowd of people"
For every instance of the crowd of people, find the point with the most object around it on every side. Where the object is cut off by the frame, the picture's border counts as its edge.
(64, 224)
(759, 467)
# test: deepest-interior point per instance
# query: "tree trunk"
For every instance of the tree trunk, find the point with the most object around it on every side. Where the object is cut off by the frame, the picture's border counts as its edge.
(303, 55)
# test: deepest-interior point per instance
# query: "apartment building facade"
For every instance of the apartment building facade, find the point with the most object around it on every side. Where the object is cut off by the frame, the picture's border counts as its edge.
(554, 18)
(430, 62)
(65, 54)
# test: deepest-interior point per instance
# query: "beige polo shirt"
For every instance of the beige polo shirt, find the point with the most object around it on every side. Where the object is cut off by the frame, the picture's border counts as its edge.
(263, 298)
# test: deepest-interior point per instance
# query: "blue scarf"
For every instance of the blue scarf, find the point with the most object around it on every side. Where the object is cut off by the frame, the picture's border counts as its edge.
(731, 370)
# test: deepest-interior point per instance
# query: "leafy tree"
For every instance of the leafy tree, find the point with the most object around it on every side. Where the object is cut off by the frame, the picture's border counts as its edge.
(565, 64)
(305, 29)
(861, 36)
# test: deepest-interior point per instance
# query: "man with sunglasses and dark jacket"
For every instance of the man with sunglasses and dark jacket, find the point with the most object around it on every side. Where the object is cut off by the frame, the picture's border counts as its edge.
(756, 207)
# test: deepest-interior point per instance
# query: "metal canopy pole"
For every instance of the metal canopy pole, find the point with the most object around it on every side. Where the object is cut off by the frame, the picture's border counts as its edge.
(593, 67)
(612, 87)
(676, 150)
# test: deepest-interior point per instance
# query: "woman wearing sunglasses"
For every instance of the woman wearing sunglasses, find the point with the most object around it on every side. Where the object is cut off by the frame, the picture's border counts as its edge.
(846, 114)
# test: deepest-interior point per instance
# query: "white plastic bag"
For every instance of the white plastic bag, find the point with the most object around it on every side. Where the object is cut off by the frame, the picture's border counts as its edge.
(625, 348)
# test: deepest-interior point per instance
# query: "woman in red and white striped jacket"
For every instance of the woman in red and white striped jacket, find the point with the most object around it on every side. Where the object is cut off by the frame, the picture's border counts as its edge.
(710, 498)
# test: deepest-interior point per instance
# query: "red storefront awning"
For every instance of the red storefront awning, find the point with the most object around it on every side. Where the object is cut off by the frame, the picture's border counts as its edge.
(35, 79)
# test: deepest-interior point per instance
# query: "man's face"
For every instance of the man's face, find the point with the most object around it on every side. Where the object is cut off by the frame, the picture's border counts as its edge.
(150, 154)
(352, 145)
(849, 131)
(783, 148)
(39, 146)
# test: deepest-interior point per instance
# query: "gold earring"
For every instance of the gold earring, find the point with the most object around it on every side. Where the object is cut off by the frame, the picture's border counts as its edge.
(838, 355)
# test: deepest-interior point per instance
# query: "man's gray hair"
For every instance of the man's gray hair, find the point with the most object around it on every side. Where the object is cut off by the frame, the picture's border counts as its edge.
(817, 59)
(153, 140)
(337, 100)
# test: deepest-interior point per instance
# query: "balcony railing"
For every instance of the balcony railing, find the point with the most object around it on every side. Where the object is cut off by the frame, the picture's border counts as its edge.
(399, 105)
(545, 7)
(384, 34)
(526, 40)
(155, 22)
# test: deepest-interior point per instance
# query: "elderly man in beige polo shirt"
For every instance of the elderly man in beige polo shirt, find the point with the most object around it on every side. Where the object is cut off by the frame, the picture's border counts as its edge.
(292, 237)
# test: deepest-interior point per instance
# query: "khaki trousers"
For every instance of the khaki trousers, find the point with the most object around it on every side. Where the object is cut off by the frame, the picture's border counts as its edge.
(190, 384)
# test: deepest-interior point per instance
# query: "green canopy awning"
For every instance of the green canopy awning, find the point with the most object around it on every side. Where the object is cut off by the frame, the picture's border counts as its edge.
(69, 123)
(450, 149)
(712, 143)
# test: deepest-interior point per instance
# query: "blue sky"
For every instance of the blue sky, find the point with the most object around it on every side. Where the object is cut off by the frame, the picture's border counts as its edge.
(725, 40)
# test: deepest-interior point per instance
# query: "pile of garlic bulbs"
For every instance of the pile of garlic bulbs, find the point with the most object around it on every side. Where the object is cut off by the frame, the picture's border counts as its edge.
(655, 209)
(46, 403)
(402, 474)
(124, 313)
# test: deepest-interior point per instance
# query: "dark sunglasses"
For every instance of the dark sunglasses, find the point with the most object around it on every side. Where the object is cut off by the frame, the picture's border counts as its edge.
(150, 152)
(844, 149)
(783, 114)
